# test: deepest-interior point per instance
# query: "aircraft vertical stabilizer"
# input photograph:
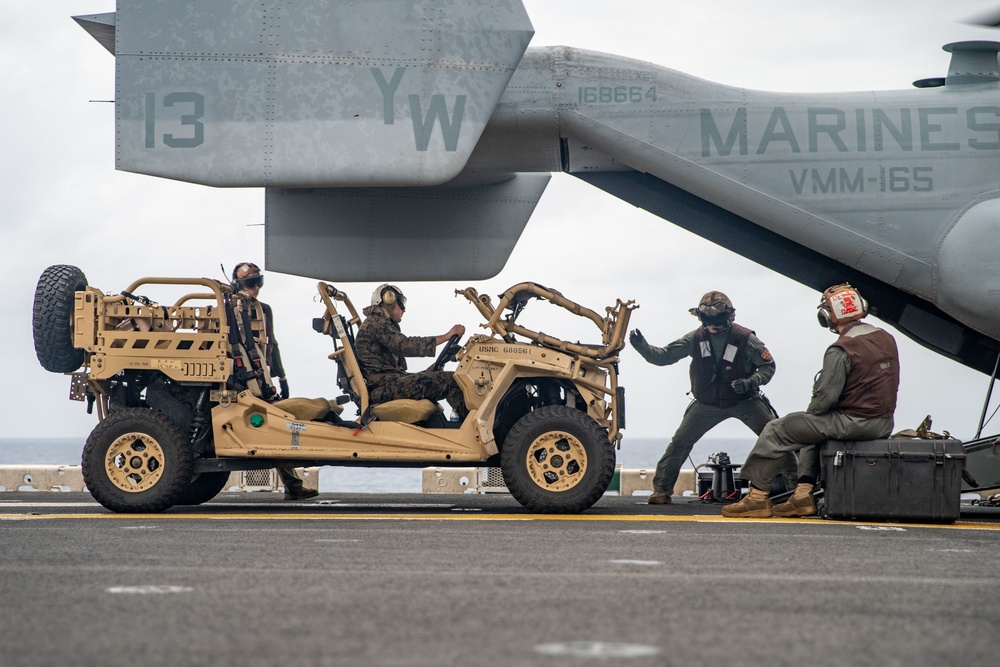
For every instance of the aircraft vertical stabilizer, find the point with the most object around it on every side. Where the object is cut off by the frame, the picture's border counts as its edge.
(310, 94)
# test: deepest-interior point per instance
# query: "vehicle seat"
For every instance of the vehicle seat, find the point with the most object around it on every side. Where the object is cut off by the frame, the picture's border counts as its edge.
(308, 409)
(406, 410)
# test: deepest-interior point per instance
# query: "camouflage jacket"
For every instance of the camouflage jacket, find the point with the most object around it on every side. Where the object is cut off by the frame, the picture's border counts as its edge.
(382, 349)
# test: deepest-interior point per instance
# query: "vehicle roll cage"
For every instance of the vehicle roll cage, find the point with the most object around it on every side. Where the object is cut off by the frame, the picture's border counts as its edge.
(351, 380)
(612, 327)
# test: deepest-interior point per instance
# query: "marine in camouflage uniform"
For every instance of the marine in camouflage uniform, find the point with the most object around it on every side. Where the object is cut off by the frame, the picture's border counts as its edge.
(728, 365)
(382, 349)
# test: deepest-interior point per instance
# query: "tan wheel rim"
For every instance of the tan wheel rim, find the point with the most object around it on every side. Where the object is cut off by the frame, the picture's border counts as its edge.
(134, 462)
(556, 461)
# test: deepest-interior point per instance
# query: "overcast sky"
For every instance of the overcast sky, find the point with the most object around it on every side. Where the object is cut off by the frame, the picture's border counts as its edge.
(64, 203)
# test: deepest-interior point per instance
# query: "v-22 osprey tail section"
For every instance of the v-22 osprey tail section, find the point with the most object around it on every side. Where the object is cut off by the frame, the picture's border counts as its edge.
(430, 128)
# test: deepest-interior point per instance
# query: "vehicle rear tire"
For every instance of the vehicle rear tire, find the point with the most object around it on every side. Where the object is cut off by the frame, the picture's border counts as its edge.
(557, 459)
(137, 460)
(52, 318)
(203, 488)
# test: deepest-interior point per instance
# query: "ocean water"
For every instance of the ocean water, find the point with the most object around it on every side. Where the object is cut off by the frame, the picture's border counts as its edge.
(634, 453)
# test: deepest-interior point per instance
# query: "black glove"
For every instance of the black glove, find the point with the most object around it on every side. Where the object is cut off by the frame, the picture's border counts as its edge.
(636, 338)
(743, 385)
(284, 388)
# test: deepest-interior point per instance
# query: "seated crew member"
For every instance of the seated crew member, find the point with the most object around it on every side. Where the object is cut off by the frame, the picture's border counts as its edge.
(853, 398)
(382, 350)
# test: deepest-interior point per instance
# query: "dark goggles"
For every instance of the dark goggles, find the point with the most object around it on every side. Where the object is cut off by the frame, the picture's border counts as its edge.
(252, 282)
(717, 320)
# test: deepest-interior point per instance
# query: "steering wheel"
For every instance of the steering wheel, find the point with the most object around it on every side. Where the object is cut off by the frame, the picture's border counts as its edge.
(447, 353)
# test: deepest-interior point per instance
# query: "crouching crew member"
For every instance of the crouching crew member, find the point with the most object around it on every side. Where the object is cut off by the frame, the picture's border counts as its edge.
(728, 365)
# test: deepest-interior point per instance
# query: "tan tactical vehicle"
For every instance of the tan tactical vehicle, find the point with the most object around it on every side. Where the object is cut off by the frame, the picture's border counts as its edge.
(183, 396)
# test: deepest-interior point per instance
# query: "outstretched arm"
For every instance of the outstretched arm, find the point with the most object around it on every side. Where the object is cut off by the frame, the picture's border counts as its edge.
(661, 356)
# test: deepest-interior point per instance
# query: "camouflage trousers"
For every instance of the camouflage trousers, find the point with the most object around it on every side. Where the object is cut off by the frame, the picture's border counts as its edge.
(432, 385)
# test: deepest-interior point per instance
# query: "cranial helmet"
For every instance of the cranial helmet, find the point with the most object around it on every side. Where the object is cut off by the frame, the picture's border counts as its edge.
(247, 275)
(714, 309)
(386, 295)
(840, 304)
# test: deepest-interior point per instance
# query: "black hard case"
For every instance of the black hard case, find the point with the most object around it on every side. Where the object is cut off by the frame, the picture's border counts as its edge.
(893, 480)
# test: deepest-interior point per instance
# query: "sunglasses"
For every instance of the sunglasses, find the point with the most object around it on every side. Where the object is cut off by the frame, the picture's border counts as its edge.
(250, 283)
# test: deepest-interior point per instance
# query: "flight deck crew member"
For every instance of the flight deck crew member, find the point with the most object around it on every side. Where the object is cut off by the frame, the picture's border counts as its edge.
(248, 278)
(382, 350)
(728, 364)
(853, 398)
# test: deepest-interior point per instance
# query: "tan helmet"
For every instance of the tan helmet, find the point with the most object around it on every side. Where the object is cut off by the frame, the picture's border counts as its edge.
(714, 309)
(386, 295)
(840, 304)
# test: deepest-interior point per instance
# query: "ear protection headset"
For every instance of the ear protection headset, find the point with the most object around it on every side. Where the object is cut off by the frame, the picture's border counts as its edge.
(715, 309)
(840, 304)
(246, 267)
(252, 277)
(387, 295)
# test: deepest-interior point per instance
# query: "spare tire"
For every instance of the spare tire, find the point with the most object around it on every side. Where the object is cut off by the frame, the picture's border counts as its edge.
(52, 318)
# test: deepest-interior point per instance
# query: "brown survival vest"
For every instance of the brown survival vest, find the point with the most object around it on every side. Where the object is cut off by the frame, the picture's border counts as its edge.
(711, 377)
(872, 383)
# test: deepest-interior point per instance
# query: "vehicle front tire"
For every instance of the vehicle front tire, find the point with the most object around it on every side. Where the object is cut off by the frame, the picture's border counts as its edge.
(137, 460)
(52, 318)
(203, 488)
(557, 459)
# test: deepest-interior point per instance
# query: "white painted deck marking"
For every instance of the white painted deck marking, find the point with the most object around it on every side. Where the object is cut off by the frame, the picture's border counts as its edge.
(597, 650)
(149, 589)
(643, 532)
(333, 540)
(636, 562)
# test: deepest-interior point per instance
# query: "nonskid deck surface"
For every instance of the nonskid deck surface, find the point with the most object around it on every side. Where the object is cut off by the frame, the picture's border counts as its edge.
(421, 579)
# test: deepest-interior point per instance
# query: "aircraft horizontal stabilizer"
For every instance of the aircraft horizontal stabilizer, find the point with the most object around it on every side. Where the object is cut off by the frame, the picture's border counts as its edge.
(101, 27)
(312, 93)
(379, 234)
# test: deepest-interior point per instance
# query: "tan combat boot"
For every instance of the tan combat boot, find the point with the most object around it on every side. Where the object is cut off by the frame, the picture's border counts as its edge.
(660, 498)
(800, 504)
(754, 505)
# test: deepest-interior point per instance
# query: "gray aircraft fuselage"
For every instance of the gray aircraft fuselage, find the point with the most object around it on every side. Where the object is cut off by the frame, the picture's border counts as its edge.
(896, 191)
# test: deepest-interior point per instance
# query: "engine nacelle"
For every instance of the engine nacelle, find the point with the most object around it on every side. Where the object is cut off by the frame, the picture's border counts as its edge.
(968, 279)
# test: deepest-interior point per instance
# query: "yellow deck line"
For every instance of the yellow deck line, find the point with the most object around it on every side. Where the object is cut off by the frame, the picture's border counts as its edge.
(961, 525)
